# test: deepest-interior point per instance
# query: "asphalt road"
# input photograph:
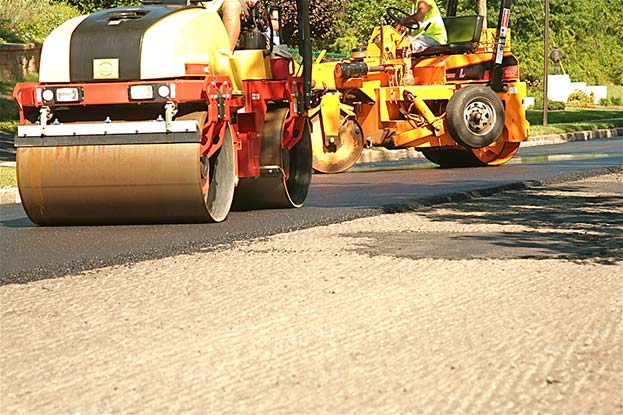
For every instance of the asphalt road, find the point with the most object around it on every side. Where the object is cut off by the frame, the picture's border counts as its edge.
(507, 304)
(31, 253)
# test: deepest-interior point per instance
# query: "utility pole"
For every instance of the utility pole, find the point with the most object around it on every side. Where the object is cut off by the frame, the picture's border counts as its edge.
(545, 62)
(482, 11)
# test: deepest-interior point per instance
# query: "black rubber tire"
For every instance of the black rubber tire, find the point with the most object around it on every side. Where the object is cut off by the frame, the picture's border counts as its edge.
(300, 161)
(475, 116)
(451, 157)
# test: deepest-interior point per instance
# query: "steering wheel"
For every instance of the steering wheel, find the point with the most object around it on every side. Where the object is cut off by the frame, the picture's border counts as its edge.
(398, 15)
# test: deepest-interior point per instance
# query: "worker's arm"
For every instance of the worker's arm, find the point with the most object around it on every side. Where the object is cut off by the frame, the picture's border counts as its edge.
(422, 8)
(231, 19)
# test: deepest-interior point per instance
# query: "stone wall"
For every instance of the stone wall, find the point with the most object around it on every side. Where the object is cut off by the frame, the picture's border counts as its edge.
(18, 60)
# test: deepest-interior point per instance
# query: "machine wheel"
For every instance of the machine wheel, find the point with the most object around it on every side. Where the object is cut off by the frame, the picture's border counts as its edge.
(475, 116)
(300, 170)
(285, 174)
(451, 157)
(119, 184)
(127, 183)
(341, 155)
(496, 154)
(218, 179)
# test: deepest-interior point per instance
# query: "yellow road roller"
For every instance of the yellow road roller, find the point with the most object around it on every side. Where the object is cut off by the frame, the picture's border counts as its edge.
(460, 104)
(144, 115)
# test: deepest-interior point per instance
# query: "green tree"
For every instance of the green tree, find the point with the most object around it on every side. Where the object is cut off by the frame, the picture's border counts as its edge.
(588, 33)
(322, 15)
(355, 25)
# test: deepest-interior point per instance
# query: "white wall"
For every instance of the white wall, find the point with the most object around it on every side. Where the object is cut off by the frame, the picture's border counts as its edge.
(560, 86)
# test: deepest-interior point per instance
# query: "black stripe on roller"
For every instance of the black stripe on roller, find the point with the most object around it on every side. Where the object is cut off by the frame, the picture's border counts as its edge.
(97, 38)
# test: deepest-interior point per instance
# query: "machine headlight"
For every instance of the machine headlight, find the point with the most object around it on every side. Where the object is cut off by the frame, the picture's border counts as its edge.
(141, 92)
(48, 95)
(67, 95)
(164, 91)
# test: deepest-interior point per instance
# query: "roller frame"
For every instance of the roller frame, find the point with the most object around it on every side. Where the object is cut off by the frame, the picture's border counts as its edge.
(250, 120)
(214, 90)
(223, 108)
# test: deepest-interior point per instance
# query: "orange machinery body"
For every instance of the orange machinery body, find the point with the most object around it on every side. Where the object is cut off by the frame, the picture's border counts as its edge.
(401, 102)
(377, 98)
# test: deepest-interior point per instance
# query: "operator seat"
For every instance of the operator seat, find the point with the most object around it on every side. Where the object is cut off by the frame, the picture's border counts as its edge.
(463, 36)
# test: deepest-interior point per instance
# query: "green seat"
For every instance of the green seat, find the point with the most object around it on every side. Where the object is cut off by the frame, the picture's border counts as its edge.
(463, 36)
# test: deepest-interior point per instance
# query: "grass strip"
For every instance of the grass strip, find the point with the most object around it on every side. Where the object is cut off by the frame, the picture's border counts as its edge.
(575, 119)
(8, 177)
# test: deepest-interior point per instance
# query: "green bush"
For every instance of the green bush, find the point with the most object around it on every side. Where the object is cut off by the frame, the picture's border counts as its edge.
(9, 126)
(26, 21)
(611, 101)
(535, 89)
(556, 105)
(616, 92)
(8, 110)
(90, 6)
(581, 99)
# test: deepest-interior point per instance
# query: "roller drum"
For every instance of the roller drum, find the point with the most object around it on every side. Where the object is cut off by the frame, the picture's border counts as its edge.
(106, 184)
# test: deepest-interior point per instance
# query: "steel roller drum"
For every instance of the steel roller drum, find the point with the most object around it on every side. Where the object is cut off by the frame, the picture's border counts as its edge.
(127, 183)
(274, 189)
(346, 151)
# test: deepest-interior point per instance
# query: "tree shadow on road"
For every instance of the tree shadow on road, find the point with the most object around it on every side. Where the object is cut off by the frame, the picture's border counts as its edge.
(569, 221)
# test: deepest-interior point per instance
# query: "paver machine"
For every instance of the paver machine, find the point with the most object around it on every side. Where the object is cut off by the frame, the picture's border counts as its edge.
(460, 104)
(143, 114)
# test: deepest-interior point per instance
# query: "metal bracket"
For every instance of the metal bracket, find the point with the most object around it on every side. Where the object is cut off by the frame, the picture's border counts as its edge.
(45, 115)
(435, 122)
(298, 103)
(170, 109)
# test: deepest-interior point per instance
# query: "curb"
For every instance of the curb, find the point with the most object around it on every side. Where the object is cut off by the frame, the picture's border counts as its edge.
(11, 195)
(576, 136)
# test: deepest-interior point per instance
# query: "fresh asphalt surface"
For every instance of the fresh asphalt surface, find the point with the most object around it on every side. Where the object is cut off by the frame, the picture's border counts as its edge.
(31, 253)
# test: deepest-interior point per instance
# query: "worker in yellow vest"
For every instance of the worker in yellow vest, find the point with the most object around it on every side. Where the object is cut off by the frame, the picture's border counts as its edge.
(429, 18)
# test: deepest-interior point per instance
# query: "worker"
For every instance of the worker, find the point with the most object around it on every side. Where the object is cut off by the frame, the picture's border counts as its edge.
(233, 11)
(427, 14)
(274, 22)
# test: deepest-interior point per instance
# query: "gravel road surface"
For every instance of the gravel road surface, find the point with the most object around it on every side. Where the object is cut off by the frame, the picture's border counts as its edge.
(510, 303)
